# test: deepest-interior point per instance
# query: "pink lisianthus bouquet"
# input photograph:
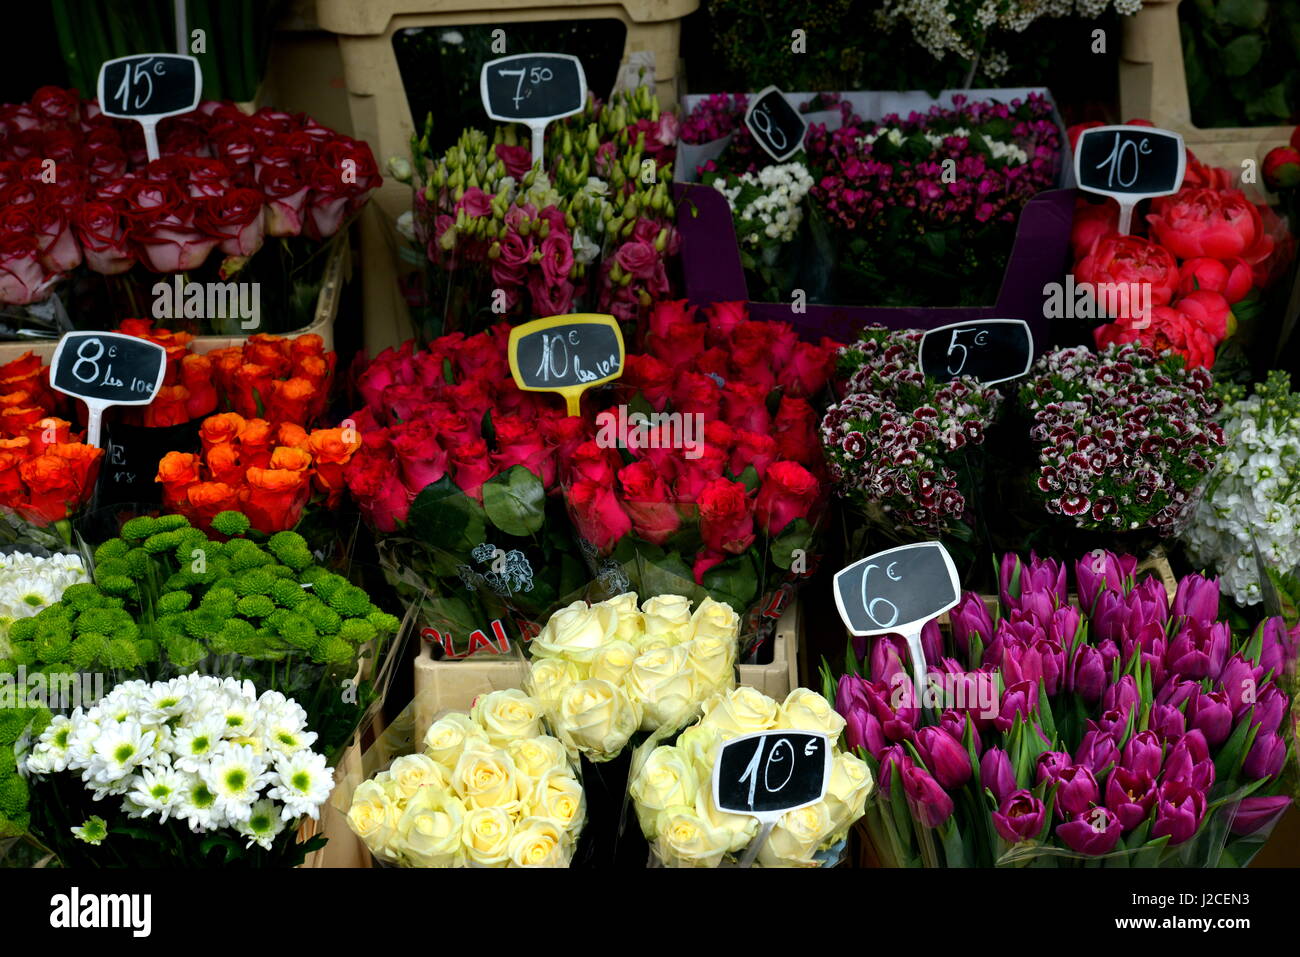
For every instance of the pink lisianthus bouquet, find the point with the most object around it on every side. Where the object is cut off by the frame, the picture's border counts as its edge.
(1128, 729)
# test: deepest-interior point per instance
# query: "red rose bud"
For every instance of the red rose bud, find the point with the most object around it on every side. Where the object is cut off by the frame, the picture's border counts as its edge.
(598, 515)
(646, 499)
(518, 443)
(795, 428)
(745, 407)
(651, 377)
(809, 368)
(726, 519)
(751, 448)
(421, 461)
(1019, 817)
(788, 492)
(1282, 167)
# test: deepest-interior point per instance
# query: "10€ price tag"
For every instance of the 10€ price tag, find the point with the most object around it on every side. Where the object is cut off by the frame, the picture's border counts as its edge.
(566, 354)
(1129, 164)
(104, 369)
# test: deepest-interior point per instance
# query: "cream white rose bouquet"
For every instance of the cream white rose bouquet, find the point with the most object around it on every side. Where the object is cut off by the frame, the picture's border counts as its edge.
(603, 672)
(489, 789)
(671, 787)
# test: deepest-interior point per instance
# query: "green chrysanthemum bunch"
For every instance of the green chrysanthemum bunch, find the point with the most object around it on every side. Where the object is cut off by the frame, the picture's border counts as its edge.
(164, 592)
(14, 816)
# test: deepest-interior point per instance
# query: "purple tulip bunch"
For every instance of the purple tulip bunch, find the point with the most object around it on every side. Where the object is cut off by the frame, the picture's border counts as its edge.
(1061, 728)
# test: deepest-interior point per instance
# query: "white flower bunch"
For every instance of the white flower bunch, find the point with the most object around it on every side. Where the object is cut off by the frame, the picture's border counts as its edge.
(489, 790)
(767, 205)
(1253, 498)
(207, 751)
(673, 786)
(604, 671)
(999, 149)
(30, 583)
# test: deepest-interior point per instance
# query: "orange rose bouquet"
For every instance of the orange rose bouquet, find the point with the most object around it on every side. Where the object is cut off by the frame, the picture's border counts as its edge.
(187, 391)
(275, 378)
(270, 473)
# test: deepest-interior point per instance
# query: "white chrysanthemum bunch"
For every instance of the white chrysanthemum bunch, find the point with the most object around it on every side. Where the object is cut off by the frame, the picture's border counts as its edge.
(490, 790)
(30, 583)
(604, 671)
(767, 206)
(207, 751)
(673, 787)
(1253, 497)
(960, 26)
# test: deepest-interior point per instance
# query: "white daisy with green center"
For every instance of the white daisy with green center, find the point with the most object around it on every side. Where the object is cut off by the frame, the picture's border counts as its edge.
(236, 774)
(198, 808)
(119, 749)
(194, 745)
(263, 825)
(304, 782)
(52, 746)
(158, 791)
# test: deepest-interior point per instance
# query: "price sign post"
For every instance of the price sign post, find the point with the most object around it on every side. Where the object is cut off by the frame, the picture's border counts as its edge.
(896, 592)
(566, 354)
(766, 774)
(991, 350)
(1129, 164)
(107, 368)
(150, 88)
(776, 125)
(533, 89)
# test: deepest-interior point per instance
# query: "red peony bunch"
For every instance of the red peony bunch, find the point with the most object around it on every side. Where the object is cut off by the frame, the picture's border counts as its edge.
(46, 472)
(726, 459)
(1207, 251)
(77, 187)
(269, 473)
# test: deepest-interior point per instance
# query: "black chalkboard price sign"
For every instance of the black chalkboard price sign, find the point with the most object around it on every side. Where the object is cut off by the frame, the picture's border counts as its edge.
(566, 354)
(148, 88)
(769, 773)
(107, 368)
(991, 350)
(534, 89)
(775, 124)
(1129, 164)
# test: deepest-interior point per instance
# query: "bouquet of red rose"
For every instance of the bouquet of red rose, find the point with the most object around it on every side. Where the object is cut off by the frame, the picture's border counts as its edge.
(707, 477)
(457, 476)
(47, 473)
(1207, 255)
(270, 473)
(76, 187)
(591, 231)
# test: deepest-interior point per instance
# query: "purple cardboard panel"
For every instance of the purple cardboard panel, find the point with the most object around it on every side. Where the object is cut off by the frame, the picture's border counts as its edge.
(710, 258)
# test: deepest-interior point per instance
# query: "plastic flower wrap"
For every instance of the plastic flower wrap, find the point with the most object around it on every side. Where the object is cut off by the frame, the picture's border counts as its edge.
(174, 769)
(225, 183)
(898, 442)
(167, 598)
(672, 787)
(457, 474)
(1128, 729)
(488, 789)
(1252, 499)
(905, 235)
(705, 477)
(269, 473)
(1125, 437)
(589, 230)
(767, 210)
(606, 671)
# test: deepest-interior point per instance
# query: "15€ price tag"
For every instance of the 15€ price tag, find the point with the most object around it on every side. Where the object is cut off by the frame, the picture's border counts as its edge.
(104, 369)
(149, 88)
(769, 773)
(566, 354)
(1129, 164)
(533, 89)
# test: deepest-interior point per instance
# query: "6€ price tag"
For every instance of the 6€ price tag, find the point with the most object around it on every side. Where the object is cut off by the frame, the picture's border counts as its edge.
(566, 354)
(104, 369)
(769, 773)
(150, 88)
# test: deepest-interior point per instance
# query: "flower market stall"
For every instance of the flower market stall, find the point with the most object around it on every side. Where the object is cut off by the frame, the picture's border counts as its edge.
(884, 455)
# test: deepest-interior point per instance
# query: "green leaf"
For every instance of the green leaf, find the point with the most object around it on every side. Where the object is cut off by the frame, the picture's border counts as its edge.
(1241, 55)
(1247, 14)
(445, 517)
(796, 536)
(1270, 105)
(1234, 750)
(733, 581)
(749, 478)
(515, 501)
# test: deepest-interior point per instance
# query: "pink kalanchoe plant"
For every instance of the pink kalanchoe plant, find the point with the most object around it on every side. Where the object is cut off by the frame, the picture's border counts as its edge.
(1131, 729)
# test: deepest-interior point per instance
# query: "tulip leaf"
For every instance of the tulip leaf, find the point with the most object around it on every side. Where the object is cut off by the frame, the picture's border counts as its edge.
(954, 850)
(515, 501)
(797, 536)
(1233, 753)
(850, 660)
(445, 517)
(1045, 711)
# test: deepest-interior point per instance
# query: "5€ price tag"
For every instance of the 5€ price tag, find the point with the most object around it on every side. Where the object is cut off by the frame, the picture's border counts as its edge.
(990, 350)
(104, 369)
(149, 88)
(1129, 164)
(768, 773)
(566, 354)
